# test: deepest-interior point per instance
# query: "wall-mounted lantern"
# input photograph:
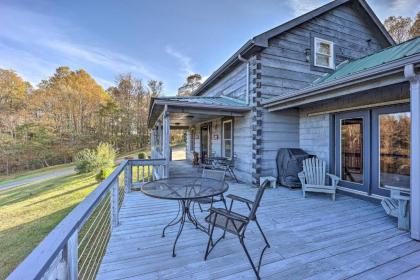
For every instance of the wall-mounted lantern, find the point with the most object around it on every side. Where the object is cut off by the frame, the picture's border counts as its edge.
(308, 54)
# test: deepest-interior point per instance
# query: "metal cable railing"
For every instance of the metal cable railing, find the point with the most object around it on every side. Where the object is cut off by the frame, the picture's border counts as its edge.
(94, 234)
(75, 247)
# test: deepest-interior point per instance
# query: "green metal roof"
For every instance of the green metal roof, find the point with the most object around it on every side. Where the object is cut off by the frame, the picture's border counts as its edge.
(206, 100)
(384, 56)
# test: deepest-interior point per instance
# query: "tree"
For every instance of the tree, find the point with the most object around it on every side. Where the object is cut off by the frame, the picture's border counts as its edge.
(69, 102)
(398, 28)
(402, 29)
(415, 28)
(69, 112)
(13, 96)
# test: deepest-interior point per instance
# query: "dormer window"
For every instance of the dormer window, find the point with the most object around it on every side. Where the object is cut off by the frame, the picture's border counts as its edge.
(324, 53)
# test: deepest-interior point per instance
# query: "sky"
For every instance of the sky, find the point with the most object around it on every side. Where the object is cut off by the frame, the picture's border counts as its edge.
(152, 39)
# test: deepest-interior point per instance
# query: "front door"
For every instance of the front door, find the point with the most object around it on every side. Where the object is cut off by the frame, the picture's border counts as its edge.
(205, 141)
(352, 150)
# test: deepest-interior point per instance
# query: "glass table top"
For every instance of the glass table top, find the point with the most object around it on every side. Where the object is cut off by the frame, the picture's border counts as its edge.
(180, 188)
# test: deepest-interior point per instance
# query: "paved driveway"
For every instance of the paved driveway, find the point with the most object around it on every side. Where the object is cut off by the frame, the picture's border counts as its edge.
(45, 176)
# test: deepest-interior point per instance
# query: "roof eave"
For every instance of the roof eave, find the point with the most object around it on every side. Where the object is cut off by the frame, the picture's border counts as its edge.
(377, 22)
(155, 103)
(345, 81)
(246, 50)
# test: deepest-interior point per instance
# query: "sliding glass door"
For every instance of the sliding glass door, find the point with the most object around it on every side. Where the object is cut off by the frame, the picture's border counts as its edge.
(352, 157)
(390, 148)
(372, 149)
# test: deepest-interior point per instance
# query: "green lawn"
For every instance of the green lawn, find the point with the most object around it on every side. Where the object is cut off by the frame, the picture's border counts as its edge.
(30, 212)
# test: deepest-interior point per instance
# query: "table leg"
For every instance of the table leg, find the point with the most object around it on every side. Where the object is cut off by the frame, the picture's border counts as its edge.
(173, 222)
(182, 220)
(192, 218)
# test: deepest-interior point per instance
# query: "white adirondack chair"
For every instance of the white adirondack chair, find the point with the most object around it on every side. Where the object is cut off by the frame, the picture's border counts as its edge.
(398, 205)
(313, 177)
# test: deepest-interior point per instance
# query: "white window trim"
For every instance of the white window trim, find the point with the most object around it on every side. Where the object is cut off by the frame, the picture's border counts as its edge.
(332, 60)
(231, 137)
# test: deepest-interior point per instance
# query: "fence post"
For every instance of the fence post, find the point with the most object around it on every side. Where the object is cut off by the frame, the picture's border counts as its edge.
(114, 203)
(128, 177)
(72, 256)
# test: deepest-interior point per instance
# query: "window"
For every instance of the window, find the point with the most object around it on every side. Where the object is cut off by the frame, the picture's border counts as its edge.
(324, 53)
(352, 150)
(227, 139)
(394, 149)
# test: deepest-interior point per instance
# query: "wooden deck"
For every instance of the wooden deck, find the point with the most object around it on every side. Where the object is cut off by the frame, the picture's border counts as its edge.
(312, 238)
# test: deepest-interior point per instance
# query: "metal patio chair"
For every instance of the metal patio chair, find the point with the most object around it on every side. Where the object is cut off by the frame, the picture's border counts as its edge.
(218, 175)
(230, 165)
(236, 223)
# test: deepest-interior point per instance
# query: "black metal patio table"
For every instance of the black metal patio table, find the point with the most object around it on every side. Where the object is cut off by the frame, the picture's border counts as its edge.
(184, 190)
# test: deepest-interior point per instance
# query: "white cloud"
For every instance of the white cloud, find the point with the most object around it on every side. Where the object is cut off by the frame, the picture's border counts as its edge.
(386, 8)
(405, 7)
(301, 7)
(185, 61)
(40, 39)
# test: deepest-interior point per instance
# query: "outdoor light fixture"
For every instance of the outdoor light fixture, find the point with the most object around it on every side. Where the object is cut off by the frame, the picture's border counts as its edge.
(308, 54)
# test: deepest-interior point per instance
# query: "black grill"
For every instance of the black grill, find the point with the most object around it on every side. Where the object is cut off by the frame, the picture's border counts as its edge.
(289, 164)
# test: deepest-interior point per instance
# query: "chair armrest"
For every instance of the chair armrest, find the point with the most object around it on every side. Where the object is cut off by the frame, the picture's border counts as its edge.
(227, 214)
(301, 176)
(238, 198)
(335, 179)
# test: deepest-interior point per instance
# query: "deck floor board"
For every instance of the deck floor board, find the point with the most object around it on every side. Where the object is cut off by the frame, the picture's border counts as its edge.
(312, 238)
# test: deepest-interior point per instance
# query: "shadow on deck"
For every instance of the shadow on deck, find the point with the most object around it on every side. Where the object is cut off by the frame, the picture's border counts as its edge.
(310, 238)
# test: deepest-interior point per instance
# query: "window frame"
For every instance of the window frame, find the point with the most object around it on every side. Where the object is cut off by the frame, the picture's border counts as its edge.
(223, 152)
(331, 55)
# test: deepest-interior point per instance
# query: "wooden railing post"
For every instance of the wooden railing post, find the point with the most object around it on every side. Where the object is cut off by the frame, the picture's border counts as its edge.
(114, 203)
(414, 79)
(128, 177)
(72, 256)
(166, 141)
(153, 142)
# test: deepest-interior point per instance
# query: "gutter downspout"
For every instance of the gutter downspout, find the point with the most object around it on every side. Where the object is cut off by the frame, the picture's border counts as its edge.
(241, 58)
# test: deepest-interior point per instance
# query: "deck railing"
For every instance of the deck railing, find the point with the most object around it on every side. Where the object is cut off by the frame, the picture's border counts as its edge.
(75, 247)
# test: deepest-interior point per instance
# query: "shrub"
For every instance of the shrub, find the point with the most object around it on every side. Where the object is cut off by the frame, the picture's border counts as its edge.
(142, 155)
(86, 161)
(103, 174)
(105, 155)
(94, 160)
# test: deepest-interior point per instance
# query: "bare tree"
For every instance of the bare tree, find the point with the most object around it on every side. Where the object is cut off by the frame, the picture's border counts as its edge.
(403, 28)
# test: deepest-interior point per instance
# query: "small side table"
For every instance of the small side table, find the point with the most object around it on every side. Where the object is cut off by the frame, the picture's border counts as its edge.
(271, 179)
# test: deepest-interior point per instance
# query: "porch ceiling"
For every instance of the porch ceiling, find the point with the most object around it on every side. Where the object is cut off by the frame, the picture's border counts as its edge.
(185, 111)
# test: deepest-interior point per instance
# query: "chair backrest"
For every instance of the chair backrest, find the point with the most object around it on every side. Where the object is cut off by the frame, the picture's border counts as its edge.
(218, 175)
(258, 197)
(315, 170)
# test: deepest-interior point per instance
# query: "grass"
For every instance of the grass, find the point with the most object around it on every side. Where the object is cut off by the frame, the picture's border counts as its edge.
(30, 212)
